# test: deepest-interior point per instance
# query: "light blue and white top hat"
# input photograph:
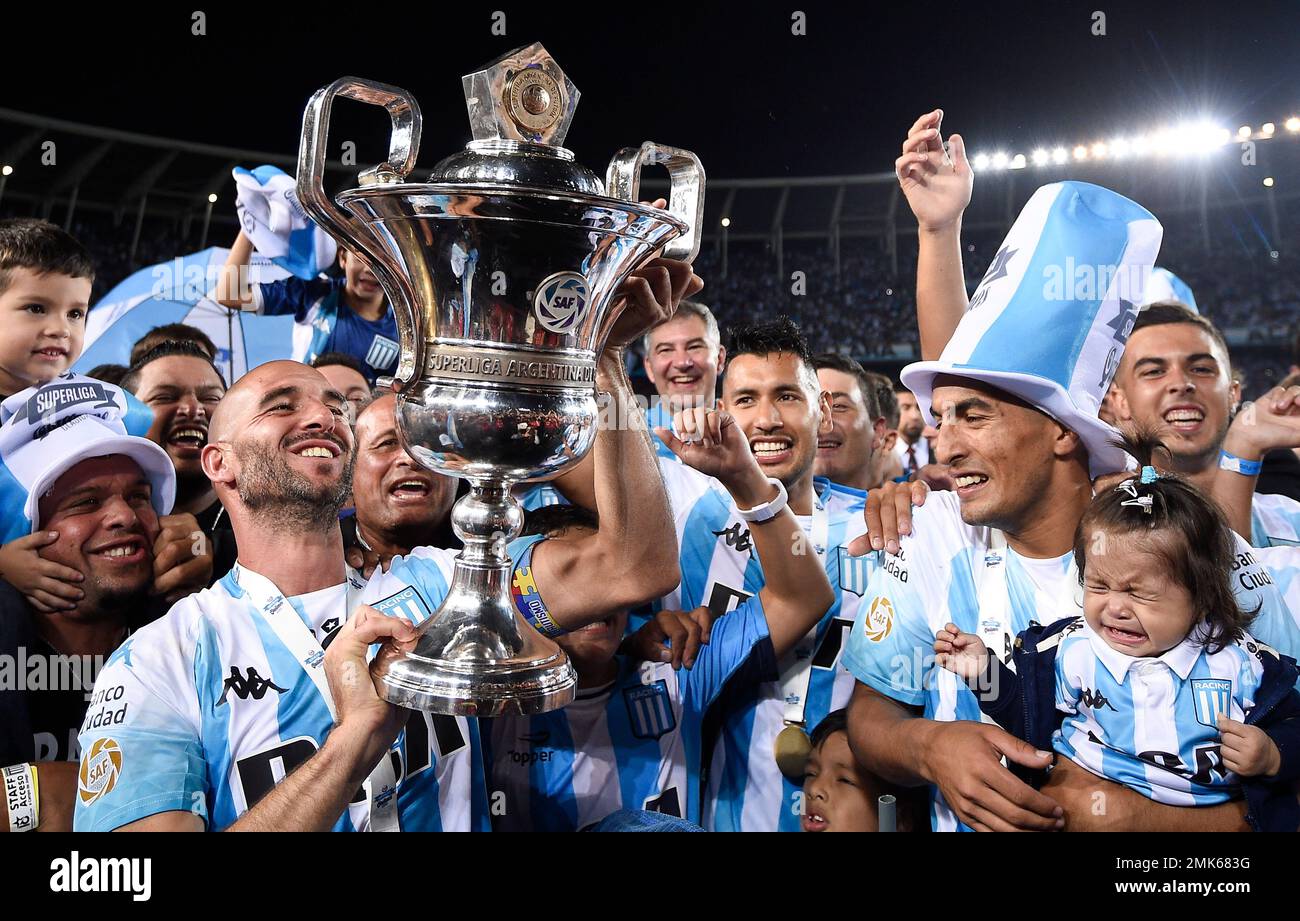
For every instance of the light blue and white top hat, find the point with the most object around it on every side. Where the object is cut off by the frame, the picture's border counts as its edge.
(1050, 320)
(46, 431)
(1166, 286)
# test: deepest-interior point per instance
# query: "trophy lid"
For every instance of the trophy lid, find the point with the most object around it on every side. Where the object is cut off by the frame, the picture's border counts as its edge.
(520, 107)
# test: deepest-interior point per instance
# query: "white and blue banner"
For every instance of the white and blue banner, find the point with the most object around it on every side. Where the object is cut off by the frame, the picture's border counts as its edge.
(1049, 321)
(176, 292)
(270, 215)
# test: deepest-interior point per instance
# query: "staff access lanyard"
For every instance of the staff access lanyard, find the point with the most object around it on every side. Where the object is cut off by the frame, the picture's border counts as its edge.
(796, 676)
(283, 619)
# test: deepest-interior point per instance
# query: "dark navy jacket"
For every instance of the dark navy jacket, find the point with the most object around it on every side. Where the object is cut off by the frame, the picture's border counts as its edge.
(1025, 706)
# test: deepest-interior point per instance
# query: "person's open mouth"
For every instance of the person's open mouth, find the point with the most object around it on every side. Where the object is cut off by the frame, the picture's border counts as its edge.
(1185, 419)
(123, 552)
(771, 451)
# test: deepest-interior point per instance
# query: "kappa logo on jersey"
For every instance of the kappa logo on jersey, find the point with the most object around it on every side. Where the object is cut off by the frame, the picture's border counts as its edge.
(1212, 696)
(247, 685)
(101, 764)
(383, 352)
(879, 620)
(854, 572)
(408, 603)
(736, 536)
(1095, 700)
(649, 708)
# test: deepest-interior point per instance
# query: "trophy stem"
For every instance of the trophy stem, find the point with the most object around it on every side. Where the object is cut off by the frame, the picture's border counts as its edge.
(477, 656)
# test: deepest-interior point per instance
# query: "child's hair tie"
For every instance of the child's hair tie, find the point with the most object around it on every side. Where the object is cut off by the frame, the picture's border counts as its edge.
(1146, 477)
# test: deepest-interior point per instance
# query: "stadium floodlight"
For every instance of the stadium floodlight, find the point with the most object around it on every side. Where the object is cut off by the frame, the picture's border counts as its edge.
(212, 198)
(726, 222)
(1140, 144)
(1293, 124)
(1060, 155)
(1099, 150)
(1080, 153)
(981, 161)
(1119, 147)
(1267, 129)
(1040, 157)
(1268, 182)
(6, 170)
(1000, 160)
(1017, 162)
(1244, 131)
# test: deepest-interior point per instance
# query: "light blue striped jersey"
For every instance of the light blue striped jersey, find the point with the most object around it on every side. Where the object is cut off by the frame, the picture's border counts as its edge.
(841, 498)
(1275, 533)
(1274, 521)
(720, 569)
(636, 743)
(206, 709)
(932, 582)
(1151, 723)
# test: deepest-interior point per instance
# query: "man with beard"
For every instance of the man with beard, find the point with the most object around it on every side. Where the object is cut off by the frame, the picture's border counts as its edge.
(846, 453)
(239, 718)
(399, 504)
(104, 493)
(177, 380)
(683, 358)
(1176, 379)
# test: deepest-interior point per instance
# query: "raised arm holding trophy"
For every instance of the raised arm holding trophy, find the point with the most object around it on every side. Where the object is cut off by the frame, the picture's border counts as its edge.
(504, 269)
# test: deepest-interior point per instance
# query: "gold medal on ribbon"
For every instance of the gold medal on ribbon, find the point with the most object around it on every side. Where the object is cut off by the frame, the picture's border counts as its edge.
(791, 750)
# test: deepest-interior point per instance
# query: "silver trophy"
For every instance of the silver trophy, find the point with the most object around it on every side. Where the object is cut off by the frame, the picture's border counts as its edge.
(502, 269)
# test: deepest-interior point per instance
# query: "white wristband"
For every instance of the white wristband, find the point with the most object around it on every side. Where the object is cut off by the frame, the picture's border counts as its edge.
(22, 796)
(768, 510)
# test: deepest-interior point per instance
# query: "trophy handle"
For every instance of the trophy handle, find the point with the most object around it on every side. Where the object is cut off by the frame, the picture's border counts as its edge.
(685, 193)
(403, 147)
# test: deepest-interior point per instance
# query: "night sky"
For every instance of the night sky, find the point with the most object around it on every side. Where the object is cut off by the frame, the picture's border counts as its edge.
(728, 81)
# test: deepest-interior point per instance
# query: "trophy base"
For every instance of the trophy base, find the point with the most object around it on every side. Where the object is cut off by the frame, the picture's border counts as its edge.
(442, 686)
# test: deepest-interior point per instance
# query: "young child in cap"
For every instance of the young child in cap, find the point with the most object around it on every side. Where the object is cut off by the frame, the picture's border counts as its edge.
(1157, 685)
(45, 282)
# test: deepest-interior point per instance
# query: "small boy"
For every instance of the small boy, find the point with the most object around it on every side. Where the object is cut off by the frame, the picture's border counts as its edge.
(838, 795)
(45, 281)
(349, 314)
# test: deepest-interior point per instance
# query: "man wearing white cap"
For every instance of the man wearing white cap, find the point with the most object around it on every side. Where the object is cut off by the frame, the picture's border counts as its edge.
(1015, 392)
(103, 491)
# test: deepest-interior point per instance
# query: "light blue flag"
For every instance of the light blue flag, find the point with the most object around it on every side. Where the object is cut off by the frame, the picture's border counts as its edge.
(176, 292)
(269, 213)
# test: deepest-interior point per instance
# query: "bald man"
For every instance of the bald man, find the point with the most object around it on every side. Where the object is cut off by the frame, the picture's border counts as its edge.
(242, 711)
(399, 505)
